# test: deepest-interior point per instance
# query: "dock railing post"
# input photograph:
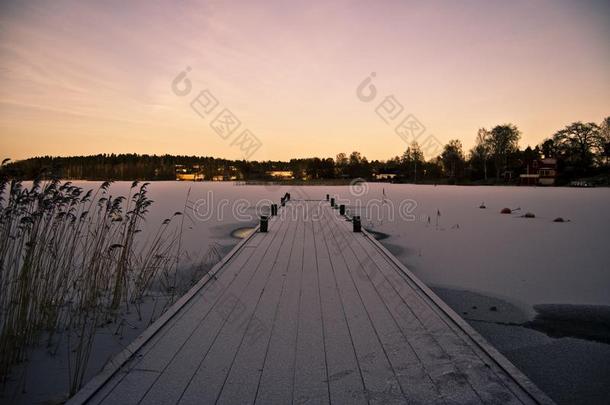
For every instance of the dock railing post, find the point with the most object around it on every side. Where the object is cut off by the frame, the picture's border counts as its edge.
(342, 209)
(264, 223)
(332, 202)
(327, 197)
(357, 224)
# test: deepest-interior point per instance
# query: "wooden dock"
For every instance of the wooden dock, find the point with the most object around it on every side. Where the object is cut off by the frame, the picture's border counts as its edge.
(310, 313)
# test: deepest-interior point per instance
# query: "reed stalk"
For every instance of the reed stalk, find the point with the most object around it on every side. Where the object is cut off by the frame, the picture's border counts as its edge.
(70, 260)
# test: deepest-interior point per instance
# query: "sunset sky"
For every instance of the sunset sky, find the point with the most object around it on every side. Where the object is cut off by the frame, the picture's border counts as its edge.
(80, 77)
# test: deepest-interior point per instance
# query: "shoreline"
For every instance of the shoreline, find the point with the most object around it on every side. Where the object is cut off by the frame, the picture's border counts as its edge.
(328, 182)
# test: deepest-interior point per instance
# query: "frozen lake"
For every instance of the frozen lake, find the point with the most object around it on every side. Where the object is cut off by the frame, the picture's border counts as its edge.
(527, 261)
(495, 270)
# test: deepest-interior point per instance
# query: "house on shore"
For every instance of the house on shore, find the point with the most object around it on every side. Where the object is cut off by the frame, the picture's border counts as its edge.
(541, 172)
(281, 174)
(224, 177)
(198, 173)
(189, 173)
(384, 176)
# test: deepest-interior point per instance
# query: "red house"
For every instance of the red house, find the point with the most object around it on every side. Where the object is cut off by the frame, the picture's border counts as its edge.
(541, 172)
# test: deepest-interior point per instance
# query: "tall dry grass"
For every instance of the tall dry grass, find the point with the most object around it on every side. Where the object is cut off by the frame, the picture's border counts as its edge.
(70, 260)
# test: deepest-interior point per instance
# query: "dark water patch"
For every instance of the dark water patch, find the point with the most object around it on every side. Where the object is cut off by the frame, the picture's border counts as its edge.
(572, 370)
(588, 322)
(476, 307)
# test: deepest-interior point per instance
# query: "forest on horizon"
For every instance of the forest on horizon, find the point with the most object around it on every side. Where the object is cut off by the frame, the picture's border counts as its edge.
(582, 150)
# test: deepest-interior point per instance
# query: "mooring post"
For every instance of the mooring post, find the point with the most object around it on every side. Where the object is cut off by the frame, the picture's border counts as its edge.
(327, 197)
(264, 223)
(332, 202)
(273, 210)
(283, 201)
(342, 209)
(357, 224)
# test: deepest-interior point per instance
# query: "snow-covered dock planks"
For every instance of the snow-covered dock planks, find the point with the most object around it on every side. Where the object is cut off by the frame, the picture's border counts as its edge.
(310, 312)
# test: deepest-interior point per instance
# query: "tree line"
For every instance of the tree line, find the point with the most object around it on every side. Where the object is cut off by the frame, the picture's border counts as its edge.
(581, 150)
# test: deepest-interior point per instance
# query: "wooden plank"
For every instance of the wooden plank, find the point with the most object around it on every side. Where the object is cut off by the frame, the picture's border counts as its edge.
(379, 377)
(219, 351)
(415, 383)
(276, 382)
(346, 384)
(242, 382)
(311, 377)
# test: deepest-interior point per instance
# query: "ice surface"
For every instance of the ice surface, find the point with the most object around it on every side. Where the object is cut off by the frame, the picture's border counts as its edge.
(523, 261)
